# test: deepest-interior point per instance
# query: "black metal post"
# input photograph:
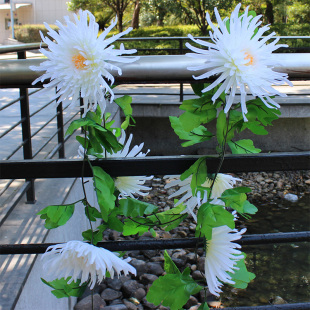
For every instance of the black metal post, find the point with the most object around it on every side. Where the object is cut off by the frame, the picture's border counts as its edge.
(181, 84)
(26, 131)
(60, 130)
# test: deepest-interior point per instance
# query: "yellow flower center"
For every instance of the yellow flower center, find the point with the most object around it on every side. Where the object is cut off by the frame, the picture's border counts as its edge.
(78, 61)
(250, 59)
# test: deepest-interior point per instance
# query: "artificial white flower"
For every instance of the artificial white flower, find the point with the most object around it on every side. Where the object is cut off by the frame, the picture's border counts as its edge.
(241, 58)
(128, 186)
(222, 182)
(221, 257)
(80, 260)
(79, 61)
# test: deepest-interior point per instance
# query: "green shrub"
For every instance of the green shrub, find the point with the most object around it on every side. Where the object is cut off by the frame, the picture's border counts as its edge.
(31, 33)
(293, 30)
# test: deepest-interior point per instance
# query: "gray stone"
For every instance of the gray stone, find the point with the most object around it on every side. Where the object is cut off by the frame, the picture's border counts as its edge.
(115, 284)
(130, 305)
(148, 278)
(116, 307)
(279, 301)
(192, 257)
(109, 294)
(139, 293)
(191, 302)
(154, 268)
(116, 302)
(86, 303)
(148, 305)
(180, 262)
(140, 266)
(130, 287)
(197, 275)
(149, 253)
(291, 197)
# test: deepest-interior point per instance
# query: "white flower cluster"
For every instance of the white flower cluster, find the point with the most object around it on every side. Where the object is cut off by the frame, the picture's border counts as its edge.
(241, 58)
(80, 260)
(79, 62)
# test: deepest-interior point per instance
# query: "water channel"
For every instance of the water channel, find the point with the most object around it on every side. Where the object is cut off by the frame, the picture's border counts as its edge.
(282, 270)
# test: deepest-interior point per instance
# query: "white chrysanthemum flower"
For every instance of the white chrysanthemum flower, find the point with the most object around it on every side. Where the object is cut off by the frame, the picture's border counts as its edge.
(80, 260)
(241, 58)
(128, 186)
(222, 182)
(79, 61)
(221, 257)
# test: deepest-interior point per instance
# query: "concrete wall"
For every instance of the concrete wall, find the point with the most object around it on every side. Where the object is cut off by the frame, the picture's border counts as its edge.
(287, 135)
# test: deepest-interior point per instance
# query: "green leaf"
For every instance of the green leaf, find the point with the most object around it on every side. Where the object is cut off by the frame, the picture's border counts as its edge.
(204, 306)
(84, 142)
(257, 110)
(94, 141)
(94, 236)
(125, 104)
(133, 207)
(221, 127)
(173, 290)
(244, 146)
(115, 224)
(236, 198)
(256, 128)
(78, 123)
(136, 226)
(195, 135)
(210, 216)
(249, 208)
(241, 277)
(169, 219)
(63, 289)
(92, 213)
(198, 171)
(57, 215)
(170, 266)
(197, 88)
(104, 186)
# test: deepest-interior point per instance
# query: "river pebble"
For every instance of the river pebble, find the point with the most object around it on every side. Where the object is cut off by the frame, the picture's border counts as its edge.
(129, 292)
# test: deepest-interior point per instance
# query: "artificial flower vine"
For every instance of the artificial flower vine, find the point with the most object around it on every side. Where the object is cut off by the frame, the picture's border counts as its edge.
(79, 63)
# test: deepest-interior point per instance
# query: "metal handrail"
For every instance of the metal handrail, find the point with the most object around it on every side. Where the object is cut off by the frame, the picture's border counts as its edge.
(37, 45)
(161, 244)
(155, 165)
(149, 69)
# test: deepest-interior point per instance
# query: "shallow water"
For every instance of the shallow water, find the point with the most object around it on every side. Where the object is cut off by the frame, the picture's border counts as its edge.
(281, 269)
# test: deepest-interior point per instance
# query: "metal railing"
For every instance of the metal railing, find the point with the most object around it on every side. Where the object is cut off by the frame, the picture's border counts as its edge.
(164, 69)
(28, 152)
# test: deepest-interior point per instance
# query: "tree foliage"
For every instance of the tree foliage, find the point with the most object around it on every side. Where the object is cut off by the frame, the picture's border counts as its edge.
(196, 10)
(104, 9)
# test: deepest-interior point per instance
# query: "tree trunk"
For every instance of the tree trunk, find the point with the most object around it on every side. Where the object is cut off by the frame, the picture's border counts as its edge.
(135, 16)
(269, 12)
(120, 21)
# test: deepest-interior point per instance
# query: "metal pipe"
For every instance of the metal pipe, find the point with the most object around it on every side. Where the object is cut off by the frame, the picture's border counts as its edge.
(297, 306)
(149, 69)
(161, 244)
(34, 46)
(155, 165)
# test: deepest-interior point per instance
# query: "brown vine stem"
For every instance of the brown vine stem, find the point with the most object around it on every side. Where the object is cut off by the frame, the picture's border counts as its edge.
(221, 154)
(87, 206)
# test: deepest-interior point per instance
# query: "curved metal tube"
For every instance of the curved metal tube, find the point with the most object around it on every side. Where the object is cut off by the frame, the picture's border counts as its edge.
(149, 69)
